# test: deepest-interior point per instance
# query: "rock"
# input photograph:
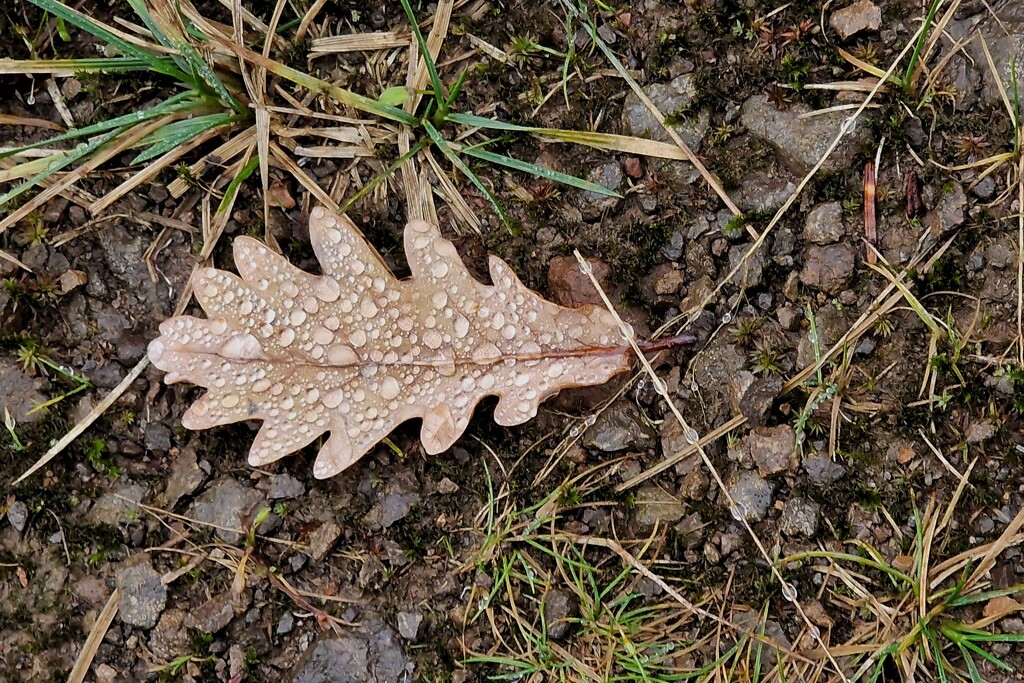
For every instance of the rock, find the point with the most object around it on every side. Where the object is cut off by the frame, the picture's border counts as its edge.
(695, 484)
(750, 274)
(762, 193)
(399, 496)
(19, 394)
(949, 212)
(689, 530)
(674, 249)
(773, 449)
(212, 615)
(801, 142)
(799, 517)
(662, 284)
(619, 428)
(737, 387)
(409, 625)
(559, 607)
(117, 505)
(157, 437)
(862, 15)
(751, 494)
(185, 477)
(609, 175)
(446, 486)
(828, 268)
(369, 654)
(789, 317)
(822, 471)
(284, 486)
(321, 540)
(672, 99)
(285, 624)
(143, 594)
(17, 515)
(568, 286)
(1005, 38)
(979, 432)
(229, 505)
(654, 505)
(758, 399)
(824, 224)
(170, 639)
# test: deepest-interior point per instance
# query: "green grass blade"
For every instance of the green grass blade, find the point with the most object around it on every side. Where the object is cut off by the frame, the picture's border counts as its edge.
(991, 658)
(435, 80)
(540, 171)
(179, 132)
(158, 64)
(447, 150)
(939, 660)
(82, 151)
(70, 67)
(972, 668)
(484, 122)
(172, 104)
(985, 596)
(236, 182)
(453, 92)
(919, 46)
(382, 176)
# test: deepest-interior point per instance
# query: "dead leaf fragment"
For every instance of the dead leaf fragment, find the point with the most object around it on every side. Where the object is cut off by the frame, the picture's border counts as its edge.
(997, 608)
(905, 455)
(70, 279)
(356, 352)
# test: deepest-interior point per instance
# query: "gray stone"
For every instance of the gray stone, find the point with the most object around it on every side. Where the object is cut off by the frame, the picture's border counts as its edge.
(750, 274)
(824, 224)
(227, 504)
(822, 471)
(758, 399)
(799, 517)
(949, 212)
(368, 654)
(321, 540)
(19, 394)
(559, 607)
(672, 99)
(751, 494)
(1005, 39)
(157, 437)
(212, 615)
(801, 142)
(17, 515)
(979, 432)
(608, 175)
(186, 477)
(399, 496)
(762, 193)
(828, 268)
(653, 505)
(862, 15)
(773, 449)
(170, 639)
(143, 595)
(409, 625)
(285, 624)
(284, 486)
(117, 505)
(619, 428)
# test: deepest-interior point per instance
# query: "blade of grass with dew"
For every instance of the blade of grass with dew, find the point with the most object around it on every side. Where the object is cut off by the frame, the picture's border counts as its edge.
(80, 152)
(447, 150)
(175, 103)
(158, 64)
(179, 132)
(539, 171)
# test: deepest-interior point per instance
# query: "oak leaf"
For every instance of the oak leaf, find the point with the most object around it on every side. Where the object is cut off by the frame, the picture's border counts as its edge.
(356, 352)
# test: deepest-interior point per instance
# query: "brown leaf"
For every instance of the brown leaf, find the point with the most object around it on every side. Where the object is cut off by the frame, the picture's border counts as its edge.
(1001, 606)
(356, 352)
(905, 455)
(70, 279)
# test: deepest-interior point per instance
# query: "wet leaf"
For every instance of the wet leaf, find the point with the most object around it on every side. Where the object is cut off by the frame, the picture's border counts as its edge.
(356, 352)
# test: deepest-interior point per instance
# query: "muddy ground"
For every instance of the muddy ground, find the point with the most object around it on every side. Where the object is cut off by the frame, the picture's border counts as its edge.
(476, 563)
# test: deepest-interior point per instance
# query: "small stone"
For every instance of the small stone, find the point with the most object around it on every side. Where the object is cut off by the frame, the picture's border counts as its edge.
(949, 212)
(619, 428)
(285, 486)
(559, 608)
(72, 279)
(763, 193)
(607, 175)
(979, 432)
(822, 471)
(118, 505)
(673, 99)
(824, 224)
(19, 394)
(321, 540)
(751, 272)
(399, 496)
(106, 674)
(186, 477)
(17, 515)
(862, 15)
(170, 639)
(759, 398)
(663, 283)
(446, 486)
(773, 449)
(654, 505)
(674, 249)
(751, 494)
(799, 517)
(695, 484)
(285, 624)
(409, 625)
(633, 168)
(570, 287)
(213, 615)
(228, 505)
(828, 268)
(143, 594)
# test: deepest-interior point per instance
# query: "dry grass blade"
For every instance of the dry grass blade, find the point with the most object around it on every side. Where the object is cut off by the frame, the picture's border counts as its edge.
(95, 638)
(359, 42)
